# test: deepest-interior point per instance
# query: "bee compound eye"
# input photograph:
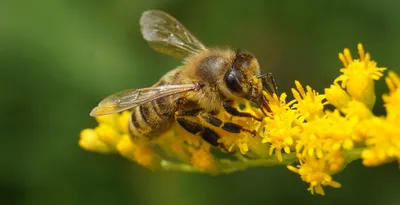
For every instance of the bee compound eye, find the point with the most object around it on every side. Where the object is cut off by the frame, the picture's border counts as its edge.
(232, 81)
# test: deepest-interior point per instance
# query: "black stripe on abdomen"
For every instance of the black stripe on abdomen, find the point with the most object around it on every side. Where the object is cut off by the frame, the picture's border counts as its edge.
(139, 125)
(147, 123)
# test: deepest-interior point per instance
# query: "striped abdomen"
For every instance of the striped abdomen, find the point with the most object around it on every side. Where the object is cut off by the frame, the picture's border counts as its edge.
(151, 119)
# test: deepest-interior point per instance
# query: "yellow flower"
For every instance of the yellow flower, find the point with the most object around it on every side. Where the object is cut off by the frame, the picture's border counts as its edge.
(357, 109)
(381, 134)
(318, 171)
(105, 137)
(145, 156)
(382, 139)
(280, 126)
(233, 141)
(330, 133)
(275, 104)
(392, 100)
(89, 140)
(126, 147)
(110, 120)
(337, 97)
(280, 132)
(108, 134)
(358, 76)
(123, 121)
(310, 103)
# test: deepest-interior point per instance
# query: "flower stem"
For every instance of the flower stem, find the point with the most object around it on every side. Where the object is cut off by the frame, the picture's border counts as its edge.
(227, 166)
(173, 166)
(353, 154)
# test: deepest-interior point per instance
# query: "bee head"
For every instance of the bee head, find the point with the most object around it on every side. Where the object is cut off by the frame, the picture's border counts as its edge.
(240, 78)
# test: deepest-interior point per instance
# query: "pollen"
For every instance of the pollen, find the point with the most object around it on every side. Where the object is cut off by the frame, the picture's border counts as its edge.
(145, 156)
(203, 160)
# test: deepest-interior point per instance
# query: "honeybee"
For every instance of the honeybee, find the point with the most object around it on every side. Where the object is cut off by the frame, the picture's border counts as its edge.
(207, 82)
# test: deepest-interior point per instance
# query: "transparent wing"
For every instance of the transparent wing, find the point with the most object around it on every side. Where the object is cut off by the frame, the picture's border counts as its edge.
(128, 99)
(165, 34)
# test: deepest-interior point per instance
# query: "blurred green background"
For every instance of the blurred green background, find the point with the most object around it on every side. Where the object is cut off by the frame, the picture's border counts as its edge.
(58, 58)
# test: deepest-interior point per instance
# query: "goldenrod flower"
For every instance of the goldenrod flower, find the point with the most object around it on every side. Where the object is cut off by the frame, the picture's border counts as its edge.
(89, 140)
(392, 100)
(316, 141)
(359, 75)
(279, 126)
(337, 97)
(104, 137)
(317, 171)
(126, 147)
(325, 135)
(382, 139)
(310, 104)
(108, 135)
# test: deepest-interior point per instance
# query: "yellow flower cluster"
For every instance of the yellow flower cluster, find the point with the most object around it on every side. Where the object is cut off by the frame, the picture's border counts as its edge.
(312, 140)
(326, 140)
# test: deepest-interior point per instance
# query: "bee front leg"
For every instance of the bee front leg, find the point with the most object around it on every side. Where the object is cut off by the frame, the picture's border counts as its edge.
(235, 112)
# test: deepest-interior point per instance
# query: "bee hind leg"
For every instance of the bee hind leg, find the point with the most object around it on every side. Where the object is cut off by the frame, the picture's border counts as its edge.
(227, 126)
(193, 121)
(188, 119)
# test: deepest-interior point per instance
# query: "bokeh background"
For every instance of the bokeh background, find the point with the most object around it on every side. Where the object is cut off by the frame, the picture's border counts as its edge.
(59, 58)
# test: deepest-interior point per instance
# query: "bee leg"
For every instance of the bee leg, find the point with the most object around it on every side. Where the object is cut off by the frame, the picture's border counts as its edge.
(227, 126)
(269, 84)
(188, 119)
(233, 111)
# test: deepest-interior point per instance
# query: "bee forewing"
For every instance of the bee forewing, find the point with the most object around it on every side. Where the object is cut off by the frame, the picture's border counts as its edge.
(166, 35)
(128, 99)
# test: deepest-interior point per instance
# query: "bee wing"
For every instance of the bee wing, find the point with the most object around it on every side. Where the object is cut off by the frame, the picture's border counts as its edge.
(128, 99)
(166, 35)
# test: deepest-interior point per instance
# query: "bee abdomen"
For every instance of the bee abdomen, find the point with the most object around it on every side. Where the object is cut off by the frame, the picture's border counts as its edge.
(149, 120)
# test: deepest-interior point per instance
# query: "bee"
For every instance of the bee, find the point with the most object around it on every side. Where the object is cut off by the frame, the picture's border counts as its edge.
(208, 82)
